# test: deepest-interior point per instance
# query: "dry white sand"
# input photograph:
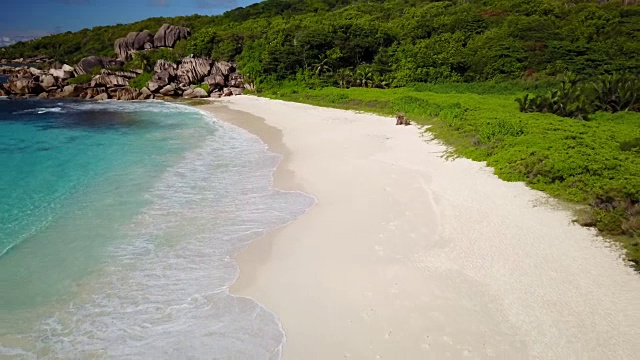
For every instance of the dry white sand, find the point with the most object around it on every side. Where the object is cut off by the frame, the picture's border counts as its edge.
(410, 256)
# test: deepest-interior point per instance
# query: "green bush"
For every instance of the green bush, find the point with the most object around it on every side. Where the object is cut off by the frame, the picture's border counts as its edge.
(146, 60)
(140, 81)
(575, 99)
(204, 87)
(80, 79)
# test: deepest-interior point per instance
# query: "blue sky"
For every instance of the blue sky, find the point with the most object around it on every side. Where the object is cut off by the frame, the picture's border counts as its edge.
(30, 18)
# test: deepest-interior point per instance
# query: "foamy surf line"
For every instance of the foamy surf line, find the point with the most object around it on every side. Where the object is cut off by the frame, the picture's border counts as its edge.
(175, 270)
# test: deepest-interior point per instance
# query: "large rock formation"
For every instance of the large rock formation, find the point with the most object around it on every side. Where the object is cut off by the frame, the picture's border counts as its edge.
(125, 93)
(134, 41)
(24, 83)
(169, 35)
(109, 81)
(169, 79)
(48, 82)
(168, 90)
(86, 65)
(124, 74)
(93, 92)
(64, 72)
(215, 81)
(163, 65)
(101, 97)
(235, 80)
(223, 67)
(72, 91)
(195, 93)
(193, 70)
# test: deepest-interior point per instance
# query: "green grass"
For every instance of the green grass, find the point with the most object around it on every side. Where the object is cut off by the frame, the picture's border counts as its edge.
(596, 162)
(80, 79)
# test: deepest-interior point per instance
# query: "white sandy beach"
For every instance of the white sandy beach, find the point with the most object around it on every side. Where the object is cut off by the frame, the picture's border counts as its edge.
(407, 255)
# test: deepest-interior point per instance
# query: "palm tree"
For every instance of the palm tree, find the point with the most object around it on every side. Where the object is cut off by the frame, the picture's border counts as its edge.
(364, 76)
(379, 81)
(322, 68)
(344, 77)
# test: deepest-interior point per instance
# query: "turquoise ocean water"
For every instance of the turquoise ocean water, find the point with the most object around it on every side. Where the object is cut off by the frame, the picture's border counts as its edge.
(118, 226)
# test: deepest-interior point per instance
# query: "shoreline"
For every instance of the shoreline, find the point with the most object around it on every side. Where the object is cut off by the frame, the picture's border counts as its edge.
(410, 255)
(283, 180)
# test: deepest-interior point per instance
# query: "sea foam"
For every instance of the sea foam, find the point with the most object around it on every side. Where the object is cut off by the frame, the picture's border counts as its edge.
(163, 292)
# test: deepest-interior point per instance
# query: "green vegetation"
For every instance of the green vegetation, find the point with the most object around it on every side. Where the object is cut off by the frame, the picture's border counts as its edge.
(204, 87)
(140, 81)
(146, 60)
(80, 79)
(610, 93)
(595, 162)
(396, 43)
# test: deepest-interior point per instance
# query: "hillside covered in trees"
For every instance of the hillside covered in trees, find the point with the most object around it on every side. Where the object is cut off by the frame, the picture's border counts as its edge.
(393, 43)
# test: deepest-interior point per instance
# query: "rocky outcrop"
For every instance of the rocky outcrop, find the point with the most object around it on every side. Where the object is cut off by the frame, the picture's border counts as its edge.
(193, 70)
(169, 80)
(163, 65)
(125, 74)
(36, 72)
(172, 79)
(215, 81)
(125, 93)
(24, 83)
(223, 67)
(101, 97)
(163, 78)
(154, 87)
(86, 65)
(134, 41)
(94, 92)
(72, 91)
(169, 35)
(195, 93)
(168, 90)
(235, 80)
(64, 72)
(109, 81)
(48, 82)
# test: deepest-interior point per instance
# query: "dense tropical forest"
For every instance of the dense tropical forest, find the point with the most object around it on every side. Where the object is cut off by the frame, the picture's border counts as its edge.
(547, 92)
(394, 43)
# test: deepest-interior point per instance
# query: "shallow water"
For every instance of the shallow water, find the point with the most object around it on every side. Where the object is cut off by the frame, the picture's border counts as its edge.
(118, 226)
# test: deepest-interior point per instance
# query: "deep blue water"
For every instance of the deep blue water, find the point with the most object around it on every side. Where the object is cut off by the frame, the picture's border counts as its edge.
(118, 225)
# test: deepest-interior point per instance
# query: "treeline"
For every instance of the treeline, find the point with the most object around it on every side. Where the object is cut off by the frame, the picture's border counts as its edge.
(394, 43)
